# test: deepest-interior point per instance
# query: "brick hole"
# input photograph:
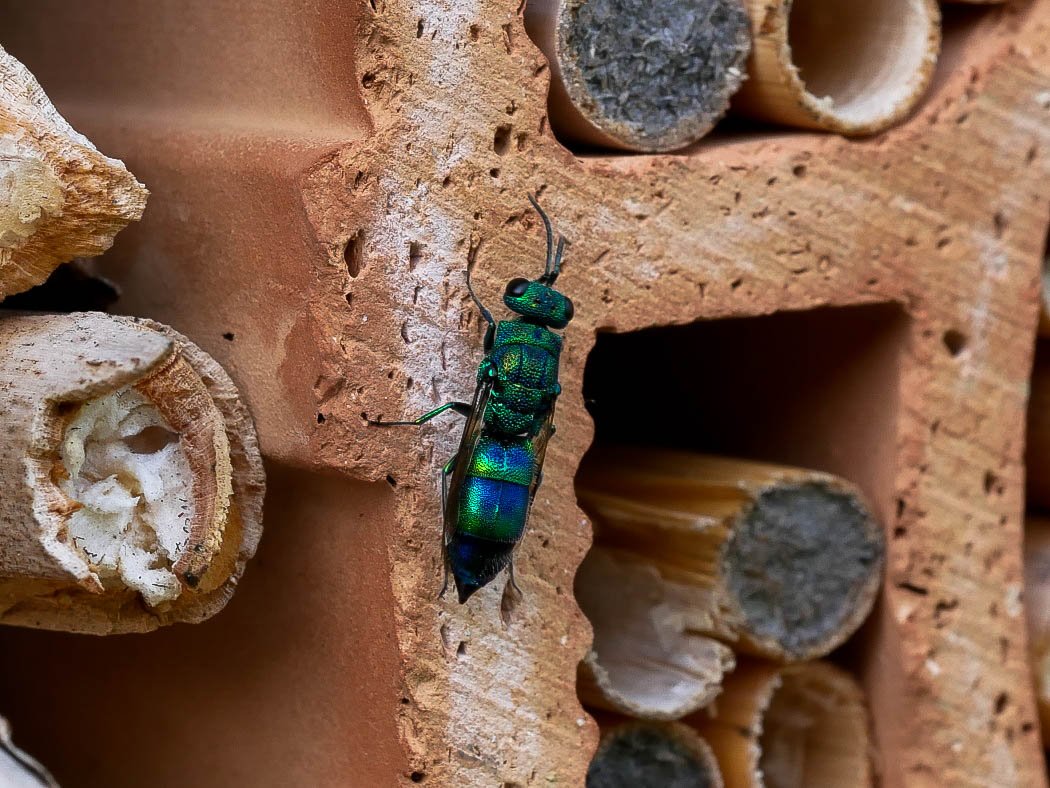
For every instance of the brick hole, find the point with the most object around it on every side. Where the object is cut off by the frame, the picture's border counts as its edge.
(501, 139)
(955, 341)
(814, 389)
(354, 254)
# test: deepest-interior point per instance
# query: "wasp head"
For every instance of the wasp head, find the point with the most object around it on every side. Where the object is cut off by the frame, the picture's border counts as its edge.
(539, 302)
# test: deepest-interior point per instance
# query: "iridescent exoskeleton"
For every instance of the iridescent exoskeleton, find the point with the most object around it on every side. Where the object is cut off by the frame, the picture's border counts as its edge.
(489, 484)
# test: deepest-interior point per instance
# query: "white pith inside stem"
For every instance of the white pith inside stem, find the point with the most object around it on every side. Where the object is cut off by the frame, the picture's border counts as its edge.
(127, 470)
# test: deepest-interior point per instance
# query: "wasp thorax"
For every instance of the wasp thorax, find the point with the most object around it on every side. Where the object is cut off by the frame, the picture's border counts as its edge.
(538, 303)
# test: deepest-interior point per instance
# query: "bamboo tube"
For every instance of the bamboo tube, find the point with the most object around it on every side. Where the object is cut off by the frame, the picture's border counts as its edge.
(1037, 611)
(853, 68)
(639, 75)
(781, 562)
(132, 483)
(1037, 441)
(664, 754)
(18, 769)
(783, 727)
(61, 198)
(647, 660)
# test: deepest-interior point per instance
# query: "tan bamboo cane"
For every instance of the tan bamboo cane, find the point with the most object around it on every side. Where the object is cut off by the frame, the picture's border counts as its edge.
(131, 478)
(853, 68)
(788, 726)
(639, 75)
(59, 197)
(665, 754)
(781, 562)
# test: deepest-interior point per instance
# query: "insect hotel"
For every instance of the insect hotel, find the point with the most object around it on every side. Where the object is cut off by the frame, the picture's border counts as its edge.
(501, 394)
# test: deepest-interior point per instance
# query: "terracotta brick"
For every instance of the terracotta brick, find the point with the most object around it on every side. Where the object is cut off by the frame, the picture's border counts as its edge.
(271, 136)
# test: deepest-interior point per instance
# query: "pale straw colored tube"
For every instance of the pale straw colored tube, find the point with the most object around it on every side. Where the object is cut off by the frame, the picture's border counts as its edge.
(851, 67)
(783, 727)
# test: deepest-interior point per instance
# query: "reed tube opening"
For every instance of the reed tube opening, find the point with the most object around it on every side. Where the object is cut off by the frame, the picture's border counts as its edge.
(669, 755)
(133, 481)
(640, 75)
(780, 562)
(782, 727)
(855, 68)
(648, 659)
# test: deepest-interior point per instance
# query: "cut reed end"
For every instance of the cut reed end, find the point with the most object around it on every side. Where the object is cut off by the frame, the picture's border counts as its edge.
(143, 500)
(62, 198)
(670, 755)
(646, 661)
(804, 724)
(803, 566)
(781, 562)
(851, 68)
(639, 75)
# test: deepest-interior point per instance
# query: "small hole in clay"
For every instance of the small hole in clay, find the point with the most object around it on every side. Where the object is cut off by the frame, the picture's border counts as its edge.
(353, 254)
(955, 341)
(501, 139)
(228, 336)
(320, 418)
(418, 777)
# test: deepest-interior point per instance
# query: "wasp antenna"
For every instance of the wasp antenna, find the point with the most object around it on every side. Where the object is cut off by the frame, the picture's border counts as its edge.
(550, 234)
(557, 257)
(484, 312)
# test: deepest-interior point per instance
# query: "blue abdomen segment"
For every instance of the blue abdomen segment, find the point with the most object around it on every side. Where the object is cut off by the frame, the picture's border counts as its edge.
(492, 509)
(503, 459)
(475, 562)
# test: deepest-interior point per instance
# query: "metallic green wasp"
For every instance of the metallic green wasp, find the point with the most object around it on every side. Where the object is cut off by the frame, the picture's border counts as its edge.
(488, 486)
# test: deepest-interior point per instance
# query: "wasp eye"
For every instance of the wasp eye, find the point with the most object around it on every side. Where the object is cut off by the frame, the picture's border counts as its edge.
(570, 310)
(517, 287)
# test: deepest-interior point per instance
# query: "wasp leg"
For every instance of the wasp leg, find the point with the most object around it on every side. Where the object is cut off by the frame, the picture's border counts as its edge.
(462, 408)
(445, 473)
(513, 582)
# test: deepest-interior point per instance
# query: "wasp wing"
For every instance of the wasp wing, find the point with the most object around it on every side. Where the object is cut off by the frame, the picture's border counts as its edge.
(539, 449)
(471, 433)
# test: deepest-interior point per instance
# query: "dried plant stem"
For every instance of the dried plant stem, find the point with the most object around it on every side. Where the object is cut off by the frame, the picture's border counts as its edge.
(781, 562)
(131, 476)
(668, 754)
(61, 197)
(846, 67)
(637, 75)
(778, 727)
